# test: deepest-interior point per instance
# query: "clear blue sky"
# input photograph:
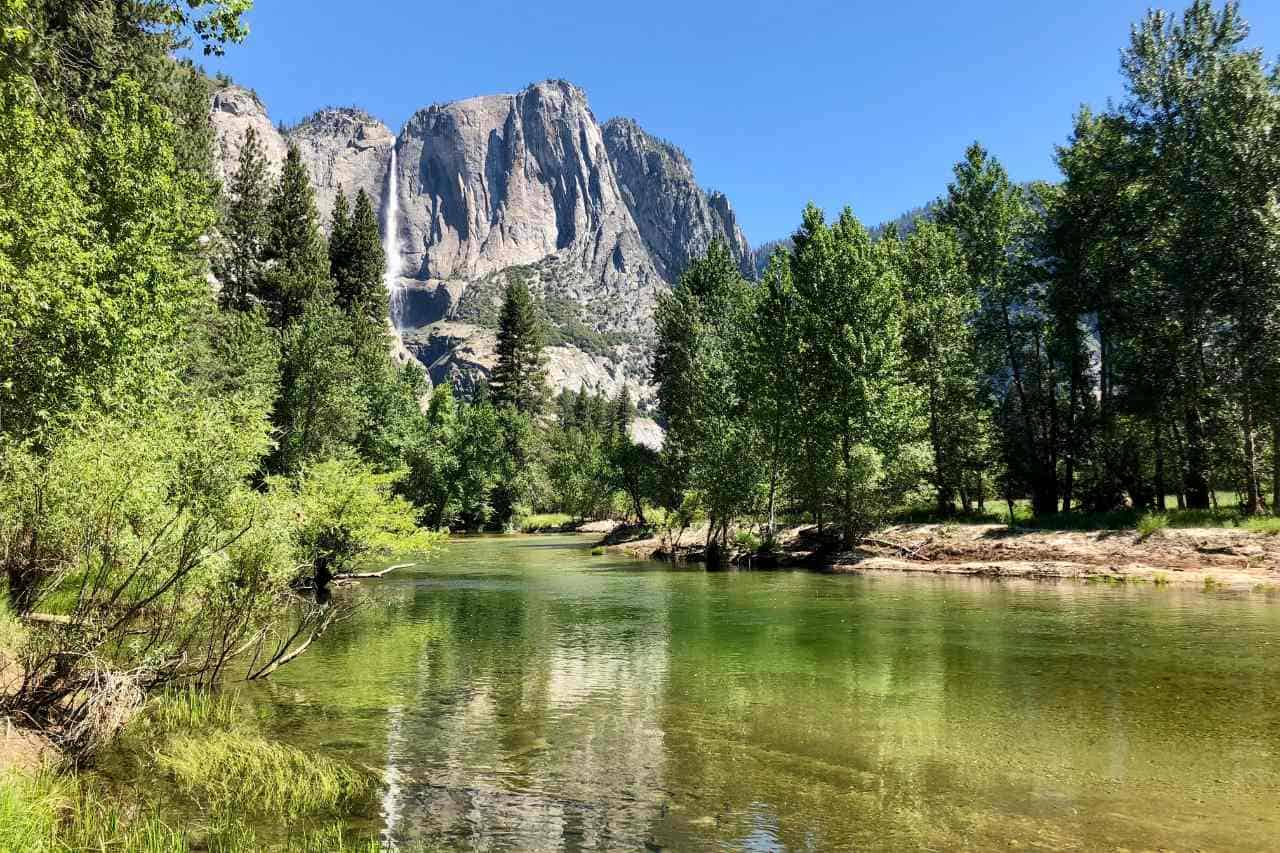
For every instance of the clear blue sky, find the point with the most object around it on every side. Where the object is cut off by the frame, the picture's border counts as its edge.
(860, 103)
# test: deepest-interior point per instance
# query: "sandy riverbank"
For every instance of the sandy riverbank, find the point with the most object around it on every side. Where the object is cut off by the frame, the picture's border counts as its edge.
(1227, 558)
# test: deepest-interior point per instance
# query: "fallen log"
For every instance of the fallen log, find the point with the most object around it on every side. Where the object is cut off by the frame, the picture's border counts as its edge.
(355, 576)
(909, 552)
(48, 619)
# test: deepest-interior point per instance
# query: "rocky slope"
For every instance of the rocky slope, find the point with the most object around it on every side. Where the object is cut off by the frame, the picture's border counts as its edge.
(597, 220)
(677, 219)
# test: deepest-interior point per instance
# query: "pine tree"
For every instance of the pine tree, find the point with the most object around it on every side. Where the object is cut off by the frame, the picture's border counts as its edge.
(240, 264)
(518, 379)
(300, 270)
(340, 235)
(359, 278)
(624, 412)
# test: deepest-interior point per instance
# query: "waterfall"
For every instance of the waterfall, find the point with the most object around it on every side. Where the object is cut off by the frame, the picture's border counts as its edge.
(391, 241)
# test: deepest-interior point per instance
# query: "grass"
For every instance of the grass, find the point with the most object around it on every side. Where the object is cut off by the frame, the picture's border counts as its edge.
(253, 774)
(1269, 525)
(195, 769)
(189, 709)
(599, 551)
(1227, 515)
(544, 521)
(49, 813)
(12, 632)
(928, 514)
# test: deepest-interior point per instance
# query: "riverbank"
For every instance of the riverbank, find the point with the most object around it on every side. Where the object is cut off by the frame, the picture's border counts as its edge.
(1201, 557)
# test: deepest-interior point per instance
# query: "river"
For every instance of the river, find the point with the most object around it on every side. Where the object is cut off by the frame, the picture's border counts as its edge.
(519, 693)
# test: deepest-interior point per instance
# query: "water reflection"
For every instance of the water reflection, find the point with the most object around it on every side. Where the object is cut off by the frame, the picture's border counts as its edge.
(526, 697)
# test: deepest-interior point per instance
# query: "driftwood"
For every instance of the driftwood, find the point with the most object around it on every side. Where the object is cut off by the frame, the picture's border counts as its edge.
(355, 576)
(909, 552)
(49, 619)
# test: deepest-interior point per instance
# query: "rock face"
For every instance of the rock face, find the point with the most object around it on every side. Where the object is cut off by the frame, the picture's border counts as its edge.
(236, 110)
(677, 219)
(596, 221)
(340, 147)
(344, 148)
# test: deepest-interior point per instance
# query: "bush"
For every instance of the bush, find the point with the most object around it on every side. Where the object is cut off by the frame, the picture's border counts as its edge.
(540, 521)
(1151, 523)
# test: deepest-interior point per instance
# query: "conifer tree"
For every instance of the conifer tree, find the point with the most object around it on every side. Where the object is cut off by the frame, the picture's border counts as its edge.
(624, 412)
(359, 277)
(518, 379)
(339, 235)
(240, 264)
(300, 269)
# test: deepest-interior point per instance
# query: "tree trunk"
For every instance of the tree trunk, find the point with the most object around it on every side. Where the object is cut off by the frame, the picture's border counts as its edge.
(848, 534)
(715, 556)
(1196, 479)
(1159, 442)
(1252, 498)
(773, 484)
(946, 494)
(1275, 467)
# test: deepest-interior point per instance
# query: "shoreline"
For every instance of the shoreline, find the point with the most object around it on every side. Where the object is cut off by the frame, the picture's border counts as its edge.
(1208, 558)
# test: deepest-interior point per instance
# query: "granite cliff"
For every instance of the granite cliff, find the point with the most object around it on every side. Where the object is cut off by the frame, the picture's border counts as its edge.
(596, 219)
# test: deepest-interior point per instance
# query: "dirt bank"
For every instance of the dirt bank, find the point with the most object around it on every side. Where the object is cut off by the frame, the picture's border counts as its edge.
(1218, 557)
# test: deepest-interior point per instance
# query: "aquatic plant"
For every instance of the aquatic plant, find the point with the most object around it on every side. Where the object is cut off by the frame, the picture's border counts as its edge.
(190, 709)
(47, 812)
(254, 774)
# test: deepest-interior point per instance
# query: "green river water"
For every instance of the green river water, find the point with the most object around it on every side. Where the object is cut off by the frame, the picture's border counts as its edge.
(521, 694)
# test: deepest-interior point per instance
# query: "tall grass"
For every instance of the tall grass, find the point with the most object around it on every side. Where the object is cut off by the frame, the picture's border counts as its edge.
(48, 813)
(257, 775)
(190, 709)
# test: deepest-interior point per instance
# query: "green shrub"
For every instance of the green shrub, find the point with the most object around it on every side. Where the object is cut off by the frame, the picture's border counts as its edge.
(599, 551)
(1152, 523)
(544, 521)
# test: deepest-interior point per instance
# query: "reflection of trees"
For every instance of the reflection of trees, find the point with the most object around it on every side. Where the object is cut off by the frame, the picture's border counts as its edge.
(543, 731)
(552, 708)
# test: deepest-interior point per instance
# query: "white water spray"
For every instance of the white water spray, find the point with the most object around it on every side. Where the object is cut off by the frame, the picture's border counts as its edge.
(391, 242)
